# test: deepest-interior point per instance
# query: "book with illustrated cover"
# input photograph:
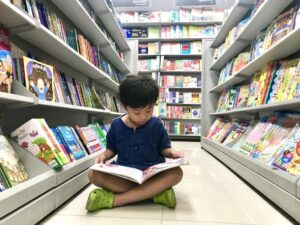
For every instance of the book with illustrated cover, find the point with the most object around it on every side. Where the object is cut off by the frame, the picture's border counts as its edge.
(216, 126)
(39, 79)
(6, 68)
(237, 131)
(31, 137)
(11, 164)
(288, 157)
(242, 97)
(88, 137)
(136, 175)
(74, 149)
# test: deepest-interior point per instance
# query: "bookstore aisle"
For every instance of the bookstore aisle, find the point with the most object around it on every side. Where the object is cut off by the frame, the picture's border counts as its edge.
(209, 194)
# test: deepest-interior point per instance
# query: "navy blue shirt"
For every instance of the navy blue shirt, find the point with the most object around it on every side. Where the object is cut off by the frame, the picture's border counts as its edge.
(138, 148)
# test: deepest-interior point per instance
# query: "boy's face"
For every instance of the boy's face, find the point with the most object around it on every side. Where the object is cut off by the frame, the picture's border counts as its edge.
(140, 116)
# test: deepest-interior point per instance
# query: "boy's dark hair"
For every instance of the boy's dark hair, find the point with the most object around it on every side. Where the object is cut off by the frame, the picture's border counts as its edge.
(138, 91)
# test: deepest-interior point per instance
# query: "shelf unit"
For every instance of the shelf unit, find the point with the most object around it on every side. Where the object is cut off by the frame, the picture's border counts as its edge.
(46, 188)
(266, 13)
(280, 187)
(162, 72)
(80, 17)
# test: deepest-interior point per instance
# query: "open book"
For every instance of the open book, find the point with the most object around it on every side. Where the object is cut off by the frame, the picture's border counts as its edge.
(136, 175)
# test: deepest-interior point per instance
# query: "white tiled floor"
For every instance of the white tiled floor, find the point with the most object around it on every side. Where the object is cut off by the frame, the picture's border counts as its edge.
(209, 194)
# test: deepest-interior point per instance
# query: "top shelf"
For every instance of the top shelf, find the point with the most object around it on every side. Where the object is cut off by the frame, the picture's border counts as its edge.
(79, 16)
(106, 16)
(147, 24)
(266, 13)
(239, 10)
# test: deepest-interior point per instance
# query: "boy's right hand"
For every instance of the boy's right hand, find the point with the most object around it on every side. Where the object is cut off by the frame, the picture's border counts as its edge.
(100, 159)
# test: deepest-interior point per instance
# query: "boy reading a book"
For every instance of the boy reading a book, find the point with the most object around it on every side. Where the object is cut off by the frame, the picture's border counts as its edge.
(140, 141)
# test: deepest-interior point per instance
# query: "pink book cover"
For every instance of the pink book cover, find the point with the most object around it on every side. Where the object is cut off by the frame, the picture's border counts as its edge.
(6, 70)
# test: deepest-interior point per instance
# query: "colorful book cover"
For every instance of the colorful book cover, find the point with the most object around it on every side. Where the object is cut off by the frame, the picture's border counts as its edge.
(61, 144)
(237, 131)
(89, 138)
(39, 79)
(31, 137)
(6, 69)
(11, 163)
(216, 126)
(242, 97)
(294, 91)
(74, 149)
(288, 158)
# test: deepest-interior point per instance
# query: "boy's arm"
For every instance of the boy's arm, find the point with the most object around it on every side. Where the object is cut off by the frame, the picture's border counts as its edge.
(107, 155)
(169, 153)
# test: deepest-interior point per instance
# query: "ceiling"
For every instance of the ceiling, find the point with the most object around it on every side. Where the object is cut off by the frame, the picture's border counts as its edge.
(168, 5)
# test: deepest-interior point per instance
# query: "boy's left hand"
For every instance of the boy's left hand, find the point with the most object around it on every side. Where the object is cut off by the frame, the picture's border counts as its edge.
(176, 154)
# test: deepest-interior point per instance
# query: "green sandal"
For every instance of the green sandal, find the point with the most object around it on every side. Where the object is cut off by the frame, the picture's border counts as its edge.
(166, 198)
(99, 199)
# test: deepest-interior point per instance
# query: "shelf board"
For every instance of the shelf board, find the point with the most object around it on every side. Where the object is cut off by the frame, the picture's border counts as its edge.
(183, 88)
(105, 14)
(181, 71)
(72, 169)
(187, 119)
(290, 104)
(144, 40)
(171, 55)
(285, 47)
(169, 39)
(192, 136)
(148, 71)
(14, 18)
(260, 20)
(8, 99)
(239, 10)
(187, 104)
(60, 50)
(74, 107)
(80, 17)
(158, 23)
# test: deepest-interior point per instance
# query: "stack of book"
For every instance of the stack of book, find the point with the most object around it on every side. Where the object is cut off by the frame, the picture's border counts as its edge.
(183, 31)
(148, 64)
(182, 128)
(180, 81)
(194, 47)
(178, 112)
(149, 48)
(181, 64)
(167, 96)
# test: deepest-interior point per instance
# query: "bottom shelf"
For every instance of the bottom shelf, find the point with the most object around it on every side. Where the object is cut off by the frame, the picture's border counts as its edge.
(40, 207)
(282, 191)
(185, 137)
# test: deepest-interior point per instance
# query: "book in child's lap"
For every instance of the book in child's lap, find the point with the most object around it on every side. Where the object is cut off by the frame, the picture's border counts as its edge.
(136, 175)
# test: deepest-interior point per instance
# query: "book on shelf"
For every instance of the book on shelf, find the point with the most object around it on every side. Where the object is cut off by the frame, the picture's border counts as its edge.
(136, 175)
(32, 137)
(39, 79)
(6, 62)
(89, 138)
(13, 171)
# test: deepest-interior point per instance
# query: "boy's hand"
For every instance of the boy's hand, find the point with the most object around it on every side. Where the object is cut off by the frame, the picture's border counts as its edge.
(176, 154)
(101, 159)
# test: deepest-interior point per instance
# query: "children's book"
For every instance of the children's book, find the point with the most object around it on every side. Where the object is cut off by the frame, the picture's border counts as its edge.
(31, 137)
(136, 175)
(6, 68)
(39, 79)
(10, 163)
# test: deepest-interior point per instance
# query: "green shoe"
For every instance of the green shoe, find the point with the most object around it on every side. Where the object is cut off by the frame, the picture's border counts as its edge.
(166, 198)
(99, 199)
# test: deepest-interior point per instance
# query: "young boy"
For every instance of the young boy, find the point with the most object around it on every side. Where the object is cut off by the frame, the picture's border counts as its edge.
(140, 141)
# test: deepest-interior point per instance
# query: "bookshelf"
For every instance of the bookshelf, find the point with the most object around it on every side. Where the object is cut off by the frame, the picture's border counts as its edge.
(260, 20)
(280, 187)
(46, 189)
(161, 72)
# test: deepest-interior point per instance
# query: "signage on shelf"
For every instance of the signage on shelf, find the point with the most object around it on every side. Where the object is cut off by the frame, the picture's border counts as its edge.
(131, 3)
(195, 2)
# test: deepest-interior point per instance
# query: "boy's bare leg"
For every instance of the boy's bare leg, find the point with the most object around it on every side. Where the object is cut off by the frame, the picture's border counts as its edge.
(110, 182)
(150, 188)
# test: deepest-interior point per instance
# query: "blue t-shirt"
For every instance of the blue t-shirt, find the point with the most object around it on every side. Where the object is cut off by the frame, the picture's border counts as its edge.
(138, 148)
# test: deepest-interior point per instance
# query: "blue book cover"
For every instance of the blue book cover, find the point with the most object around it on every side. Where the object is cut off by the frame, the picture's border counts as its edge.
(70, 142)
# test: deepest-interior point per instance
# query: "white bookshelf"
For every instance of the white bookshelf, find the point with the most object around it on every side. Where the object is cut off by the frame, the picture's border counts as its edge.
(267, 12)
(47, 189)
(285, 47)
(237, 13)
(78, 15)
(159, 24)
(106, 16)
(280, 187)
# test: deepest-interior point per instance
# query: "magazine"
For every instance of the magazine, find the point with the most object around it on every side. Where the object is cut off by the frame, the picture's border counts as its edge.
(136, 175)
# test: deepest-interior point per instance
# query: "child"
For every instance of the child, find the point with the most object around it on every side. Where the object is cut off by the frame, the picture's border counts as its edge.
(140, 141)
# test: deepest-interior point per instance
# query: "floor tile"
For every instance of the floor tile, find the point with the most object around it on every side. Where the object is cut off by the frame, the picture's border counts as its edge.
(91, 220)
